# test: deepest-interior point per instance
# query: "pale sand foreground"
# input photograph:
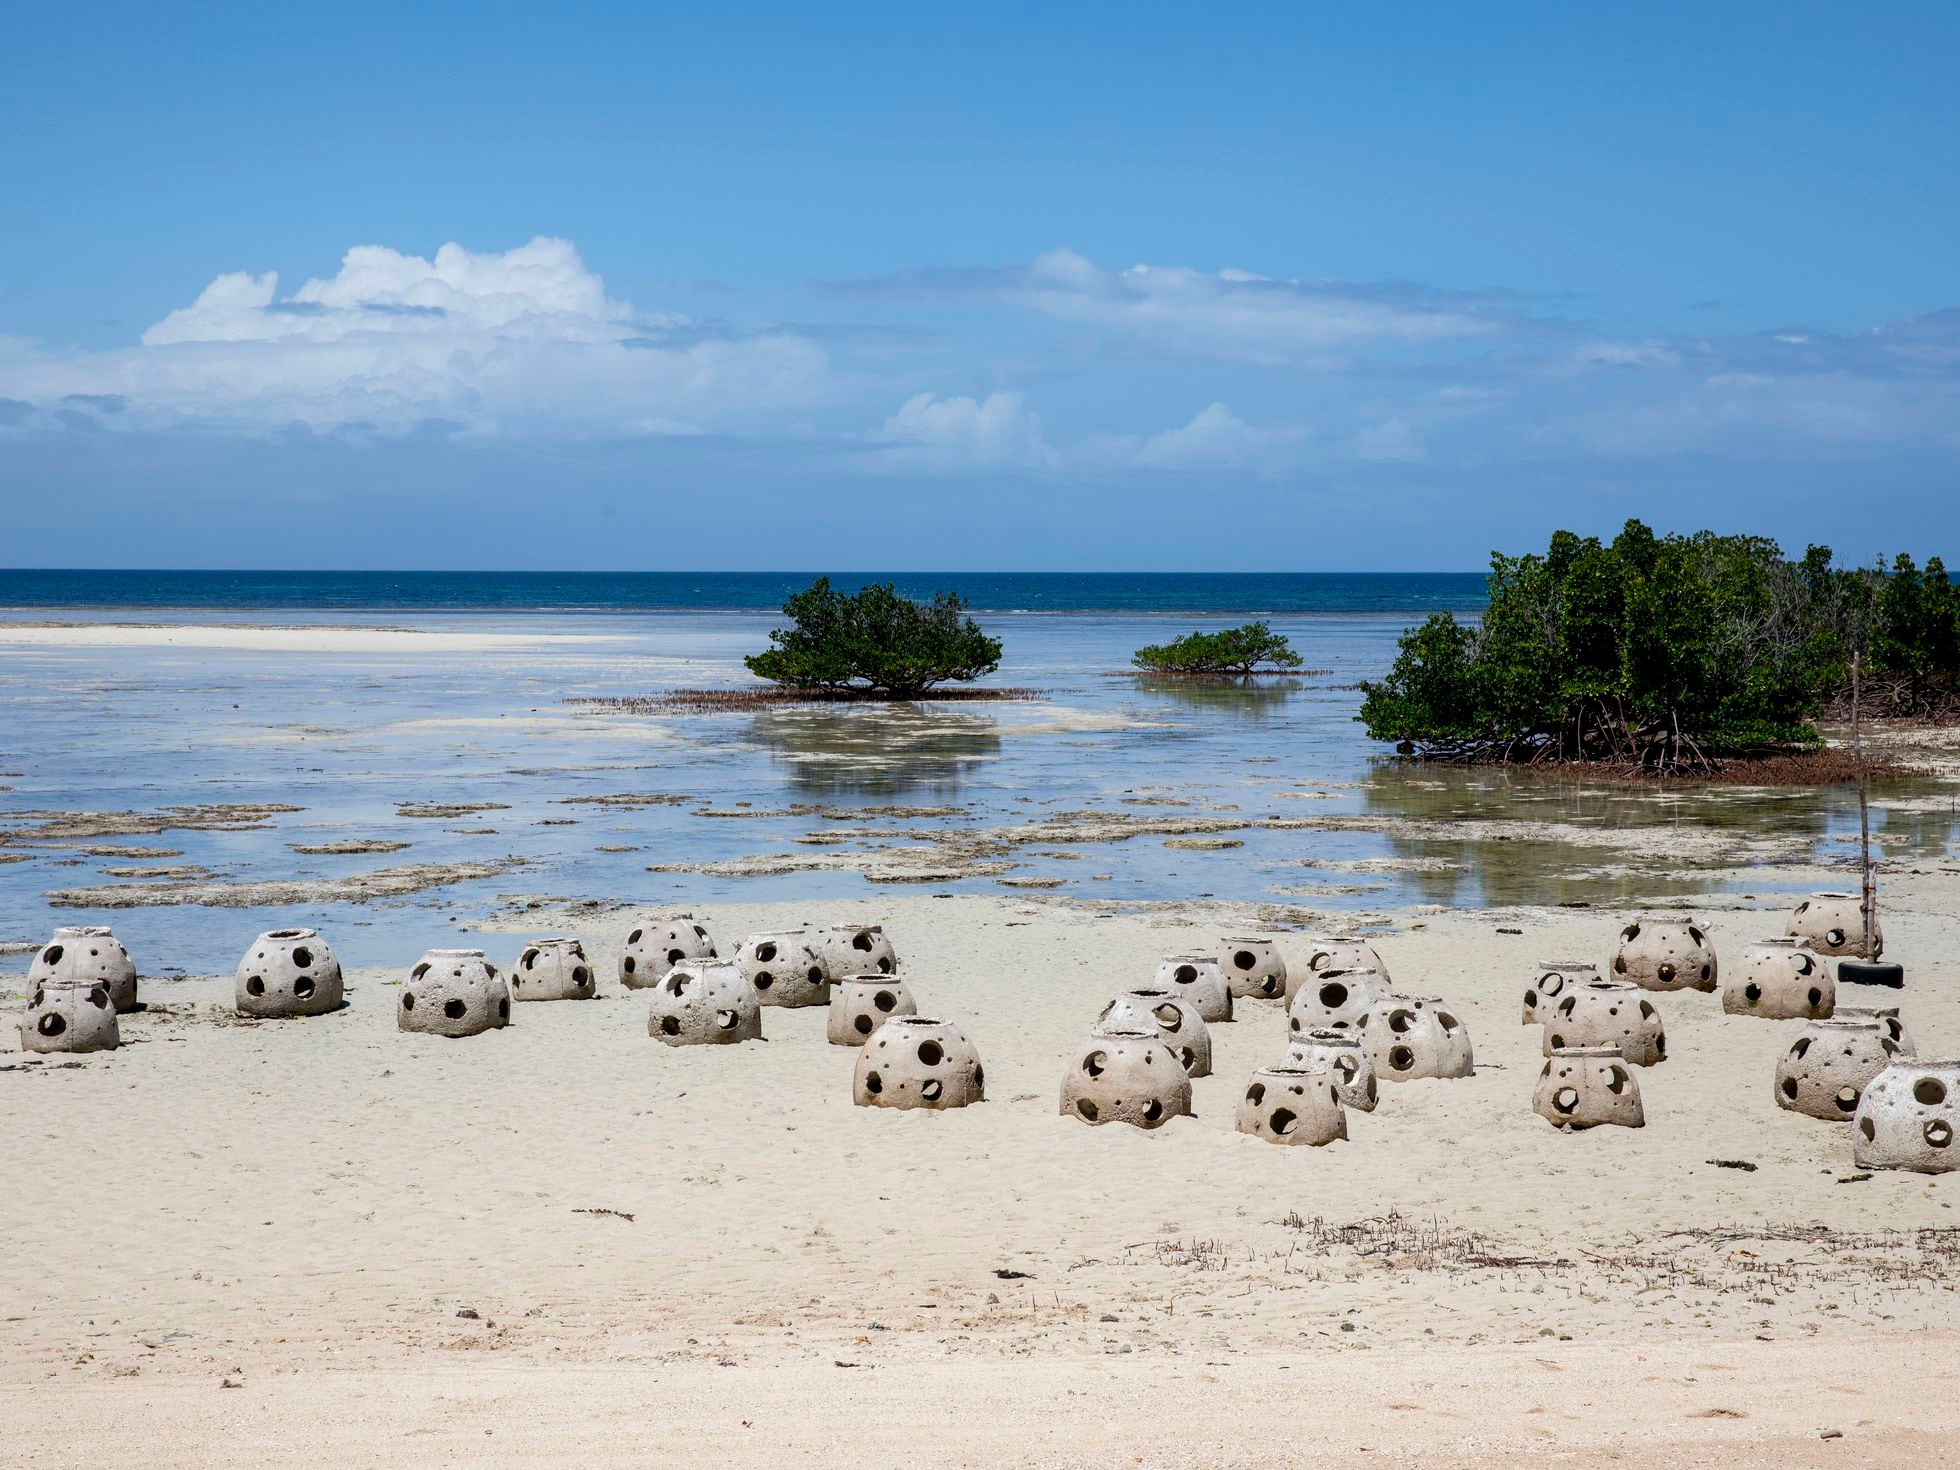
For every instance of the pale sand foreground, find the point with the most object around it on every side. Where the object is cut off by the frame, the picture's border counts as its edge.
(304, 1207)
(297, 639)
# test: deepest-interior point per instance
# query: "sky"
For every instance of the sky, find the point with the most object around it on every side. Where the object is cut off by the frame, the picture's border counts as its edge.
(1097, 287)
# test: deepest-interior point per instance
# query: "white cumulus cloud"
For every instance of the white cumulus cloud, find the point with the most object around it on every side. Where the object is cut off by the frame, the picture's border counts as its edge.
(523, 339)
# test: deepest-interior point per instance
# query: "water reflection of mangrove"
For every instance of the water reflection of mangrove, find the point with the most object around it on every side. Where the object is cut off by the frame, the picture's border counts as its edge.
(1912, 818)
(876, 750)
(1255, 698)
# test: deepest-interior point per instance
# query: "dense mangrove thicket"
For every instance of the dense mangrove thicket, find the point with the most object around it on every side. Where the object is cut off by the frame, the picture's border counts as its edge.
(1666, 653)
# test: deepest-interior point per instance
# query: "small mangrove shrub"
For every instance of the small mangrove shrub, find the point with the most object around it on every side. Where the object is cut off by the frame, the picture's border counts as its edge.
(873, 643)
(1238, 652)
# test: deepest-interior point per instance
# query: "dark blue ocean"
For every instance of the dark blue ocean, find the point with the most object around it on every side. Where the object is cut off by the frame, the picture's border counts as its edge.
(1415, 593)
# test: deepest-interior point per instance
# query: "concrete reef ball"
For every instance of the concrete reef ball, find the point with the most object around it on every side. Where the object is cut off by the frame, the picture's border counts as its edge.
(784, 970)
(1665, 952)
(1586, 1086)
(1334, 1000)
(554, 968)
(87, 955)
(1554, 978)
(915, 1062)
(1334, 952)
(856, 949)
(1126, 1075)
(453, 992)
(63, 1017)
(1340, 1053)
(288, 972)
(1413, 1036)
(1607, 1013)
(1908, 1117)
(704, 1003)
(1177, 1022)
(1827, 1068)
(1779, 980)
(654, 946)
(860, 1004)
(1288, 1103)
(1834, 924)
(1201, 980)
(1886, 1016)
(1253, 967)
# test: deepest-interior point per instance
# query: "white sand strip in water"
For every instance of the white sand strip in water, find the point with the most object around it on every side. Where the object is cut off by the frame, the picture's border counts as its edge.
(278, 640)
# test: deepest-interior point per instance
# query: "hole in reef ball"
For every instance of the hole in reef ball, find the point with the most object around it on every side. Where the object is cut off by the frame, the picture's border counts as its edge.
(932, 1090)
(1790, 1087)
(454, 1009)
(931, 1053)
(1086, 1108)
(1401, 1058)
(1283, 1121)
(884, 1000)
(408, 1000)
(303, 987)
(1333, 995)
(1865, 1127)
(303, 957)
(873, 1083)
(675, 956)
(861, 940)
(670, 1026)
(1245, 959)
(727, 1019)
(1929, 1091)
(1566, 1100)
(1185, 974)
(52, 1024)
(1938, 1132)
(764, 980)
(255, 985)
(1846, 1099)
(503, 1009)
(1153, 1111)
(51, 955)
(862, 1025)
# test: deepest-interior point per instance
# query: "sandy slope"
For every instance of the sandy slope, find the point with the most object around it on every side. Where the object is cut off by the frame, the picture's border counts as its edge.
(321, 1198)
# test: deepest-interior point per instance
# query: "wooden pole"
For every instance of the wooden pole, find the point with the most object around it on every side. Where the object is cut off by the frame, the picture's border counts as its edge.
(1864, 811)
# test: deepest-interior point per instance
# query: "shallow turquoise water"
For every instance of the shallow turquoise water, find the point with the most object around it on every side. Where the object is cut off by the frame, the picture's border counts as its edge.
(350, 738)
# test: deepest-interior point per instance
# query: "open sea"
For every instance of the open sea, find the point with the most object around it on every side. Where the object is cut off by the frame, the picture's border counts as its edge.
(469, 698)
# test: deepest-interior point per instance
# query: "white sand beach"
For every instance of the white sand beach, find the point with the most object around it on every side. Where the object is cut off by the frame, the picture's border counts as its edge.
(564, 1242)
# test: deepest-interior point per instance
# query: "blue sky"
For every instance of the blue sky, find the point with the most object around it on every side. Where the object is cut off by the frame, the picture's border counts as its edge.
(1016, 287)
